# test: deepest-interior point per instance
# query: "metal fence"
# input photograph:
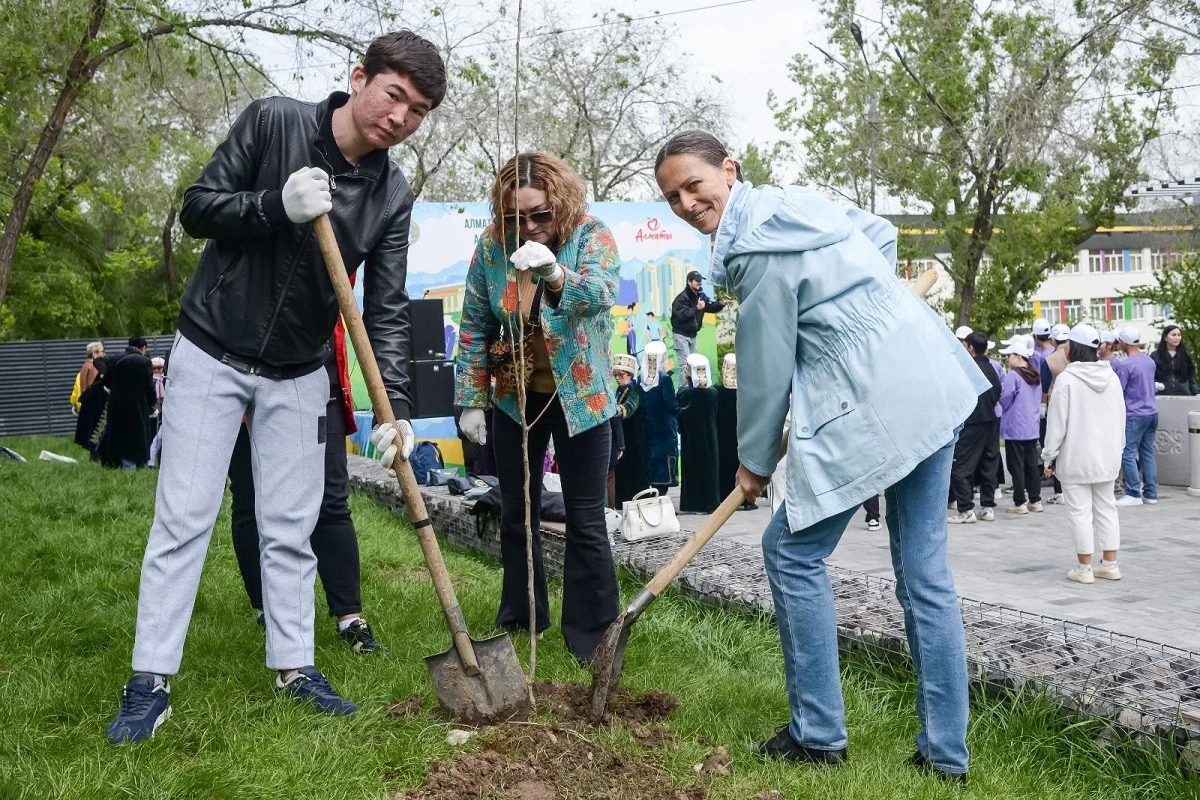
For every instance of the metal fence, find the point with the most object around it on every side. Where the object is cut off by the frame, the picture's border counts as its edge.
(36, 379)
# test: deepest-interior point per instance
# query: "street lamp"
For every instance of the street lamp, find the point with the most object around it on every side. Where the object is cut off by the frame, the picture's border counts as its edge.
(873, 108)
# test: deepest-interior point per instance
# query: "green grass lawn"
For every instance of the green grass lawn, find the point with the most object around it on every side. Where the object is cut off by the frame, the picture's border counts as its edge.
(72, 539)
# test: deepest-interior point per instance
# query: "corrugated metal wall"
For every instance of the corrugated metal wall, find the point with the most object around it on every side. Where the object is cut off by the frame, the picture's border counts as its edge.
(36, 380)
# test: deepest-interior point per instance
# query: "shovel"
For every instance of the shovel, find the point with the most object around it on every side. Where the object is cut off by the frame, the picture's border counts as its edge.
(610, 654)
(477, 682)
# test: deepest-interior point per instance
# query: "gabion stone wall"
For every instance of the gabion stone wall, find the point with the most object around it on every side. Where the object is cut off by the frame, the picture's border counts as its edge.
(1144, 687)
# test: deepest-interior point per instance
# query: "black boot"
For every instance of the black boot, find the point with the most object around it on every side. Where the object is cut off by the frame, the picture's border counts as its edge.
(923, 764)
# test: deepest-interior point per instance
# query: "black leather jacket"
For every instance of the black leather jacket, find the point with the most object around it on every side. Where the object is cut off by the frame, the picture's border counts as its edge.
(261, 294)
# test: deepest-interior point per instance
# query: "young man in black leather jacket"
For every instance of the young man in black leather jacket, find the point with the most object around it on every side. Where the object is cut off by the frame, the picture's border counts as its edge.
(253, 327)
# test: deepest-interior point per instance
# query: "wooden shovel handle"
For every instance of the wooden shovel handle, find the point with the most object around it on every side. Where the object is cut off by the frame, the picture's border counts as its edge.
(696, 542)
(383, 412)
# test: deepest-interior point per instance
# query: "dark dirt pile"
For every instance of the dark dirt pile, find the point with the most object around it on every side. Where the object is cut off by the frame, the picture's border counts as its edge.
(567, 759)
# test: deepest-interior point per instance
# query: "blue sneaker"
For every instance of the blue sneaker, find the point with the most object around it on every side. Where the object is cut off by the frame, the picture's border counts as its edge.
(145, 704)
(310, 685)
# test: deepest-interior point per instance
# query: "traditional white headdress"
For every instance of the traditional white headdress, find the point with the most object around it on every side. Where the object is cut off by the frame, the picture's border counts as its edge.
(729, 371)
(625, 363)
(701, 371)
(653, 361)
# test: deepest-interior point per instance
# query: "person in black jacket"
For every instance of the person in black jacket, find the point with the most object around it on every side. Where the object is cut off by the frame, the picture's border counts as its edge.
(978, 448)
(131, 399)
(253, 326)
(687, 318)
(1173, 366)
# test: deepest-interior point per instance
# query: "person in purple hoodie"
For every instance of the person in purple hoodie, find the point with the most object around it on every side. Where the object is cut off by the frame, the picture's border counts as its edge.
(1136, 372)
(1020, 400)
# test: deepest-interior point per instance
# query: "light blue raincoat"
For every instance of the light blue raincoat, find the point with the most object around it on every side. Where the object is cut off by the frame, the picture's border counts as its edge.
(877, 382)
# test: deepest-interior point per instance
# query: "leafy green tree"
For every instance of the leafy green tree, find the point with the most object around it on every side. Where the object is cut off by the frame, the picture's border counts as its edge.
(1177, 285)
(1017, 127)
(95, 43)
(758, 163)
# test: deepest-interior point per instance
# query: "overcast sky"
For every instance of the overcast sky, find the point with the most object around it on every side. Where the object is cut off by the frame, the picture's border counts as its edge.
(748, 43)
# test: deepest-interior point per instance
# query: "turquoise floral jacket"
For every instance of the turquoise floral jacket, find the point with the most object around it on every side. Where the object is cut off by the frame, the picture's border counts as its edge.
(578, 330)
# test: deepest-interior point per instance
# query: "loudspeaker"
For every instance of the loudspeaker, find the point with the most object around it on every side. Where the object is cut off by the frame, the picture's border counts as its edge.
(432, 388)
(428, 330)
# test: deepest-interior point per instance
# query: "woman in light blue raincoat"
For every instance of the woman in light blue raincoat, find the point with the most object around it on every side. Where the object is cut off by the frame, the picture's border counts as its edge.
(877, 387)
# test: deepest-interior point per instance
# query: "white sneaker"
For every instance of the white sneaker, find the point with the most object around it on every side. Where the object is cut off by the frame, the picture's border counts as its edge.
(1111, 572)
(1150, 501)
(873, 525)
(1035, 508)
(965, 518)
(1081, 574)
(1021, 509)
(987, 515)
(1129, 500)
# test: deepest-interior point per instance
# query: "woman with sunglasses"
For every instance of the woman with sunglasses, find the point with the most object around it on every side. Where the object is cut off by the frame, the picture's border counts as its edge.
(546, 273)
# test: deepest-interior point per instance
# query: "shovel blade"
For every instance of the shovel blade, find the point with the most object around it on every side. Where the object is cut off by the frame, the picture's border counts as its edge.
(607, 664)
(496, 694)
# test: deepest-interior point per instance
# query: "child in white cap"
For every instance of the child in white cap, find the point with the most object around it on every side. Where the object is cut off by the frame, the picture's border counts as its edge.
(1084, 440)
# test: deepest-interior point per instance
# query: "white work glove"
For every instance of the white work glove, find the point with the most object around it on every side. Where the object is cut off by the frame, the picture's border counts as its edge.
(537, 257)
(306, 195)
(384, 439)
(473, 424)
(1158, 387)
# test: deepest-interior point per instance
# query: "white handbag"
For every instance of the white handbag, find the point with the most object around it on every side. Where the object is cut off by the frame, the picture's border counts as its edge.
(647, 515)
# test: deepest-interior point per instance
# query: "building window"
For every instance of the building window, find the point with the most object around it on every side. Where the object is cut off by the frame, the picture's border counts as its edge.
(1135, 261)
(1160, 258)
(1109, 309)
(1068, 266)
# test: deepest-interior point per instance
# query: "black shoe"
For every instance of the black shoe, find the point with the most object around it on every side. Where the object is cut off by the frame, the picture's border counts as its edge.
(923, 764)
(260, 618)
(360, 638)
(785, 747)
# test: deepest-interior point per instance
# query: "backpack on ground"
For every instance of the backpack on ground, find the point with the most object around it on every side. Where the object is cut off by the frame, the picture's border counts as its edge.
(425, 457)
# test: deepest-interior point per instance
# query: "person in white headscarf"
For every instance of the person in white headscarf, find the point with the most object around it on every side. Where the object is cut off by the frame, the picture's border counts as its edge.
(700, 484)
(660, 419)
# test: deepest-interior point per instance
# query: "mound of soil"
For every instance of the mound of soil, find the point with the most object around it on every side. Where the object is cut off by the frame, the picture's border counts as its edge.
(566, 759)
(572, 702)
(549, 762)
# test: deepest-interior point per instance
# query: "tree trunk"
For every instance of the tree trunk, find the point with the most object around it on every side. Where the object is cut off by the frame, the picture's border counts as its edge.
(78, 74)
(169, 273)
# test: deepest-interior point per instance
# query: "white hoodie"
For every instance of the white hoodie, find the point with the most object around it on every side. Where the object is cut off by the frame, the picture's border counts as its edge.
(1085, 424)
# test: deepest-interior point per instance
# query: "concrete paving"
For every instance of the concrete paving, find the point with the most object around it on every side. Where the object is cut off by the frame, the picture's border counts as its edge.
(1021, 562)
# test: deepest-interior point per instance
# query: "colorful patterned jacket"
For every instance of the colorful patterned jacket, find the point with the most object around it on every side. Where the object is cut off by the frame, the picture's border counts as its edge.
(578, 329)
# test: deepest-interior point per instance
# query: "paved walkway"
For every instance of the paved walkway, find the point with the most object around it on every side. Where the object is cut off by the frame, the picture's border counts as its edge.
(1021, 562)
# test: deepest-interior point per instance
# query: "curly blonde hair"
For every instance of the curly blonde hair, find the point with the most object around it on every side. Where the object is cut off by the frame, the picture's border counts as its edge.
(564, 193)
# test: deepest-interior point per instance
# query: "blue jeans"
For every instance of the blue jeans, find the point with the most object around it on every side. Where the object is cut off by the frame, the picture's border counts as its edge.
(804, 608)
(1139, 439)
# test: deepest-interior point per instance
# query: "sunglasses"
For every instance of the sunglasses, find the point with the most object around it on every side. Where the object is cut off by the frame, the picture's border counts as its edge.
(520, 219)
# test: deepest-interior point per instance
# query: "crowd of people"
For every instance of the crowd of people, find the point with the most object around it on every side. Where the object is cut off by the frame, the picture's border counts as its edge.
(117, 401)
(829, 339)
(1075, 408)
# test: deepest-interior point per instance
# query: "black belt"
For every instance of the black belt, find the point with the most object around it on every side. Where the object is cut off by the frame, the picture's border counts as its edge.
(271, 371)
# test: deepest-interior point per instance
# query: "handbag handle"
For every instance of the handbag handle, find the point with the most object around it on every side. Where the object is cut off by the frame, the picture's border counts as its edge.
(641, 508)
(652, 492)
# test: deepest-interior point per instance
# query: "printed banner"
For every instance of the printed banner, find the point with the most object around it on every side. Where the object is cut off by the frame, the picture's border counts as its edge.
(657, 251)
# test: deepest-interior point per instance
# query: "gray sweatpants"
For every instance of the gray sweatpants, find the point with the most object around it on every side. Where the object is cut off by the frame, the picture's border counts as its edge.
(684, 347)
(202, 412)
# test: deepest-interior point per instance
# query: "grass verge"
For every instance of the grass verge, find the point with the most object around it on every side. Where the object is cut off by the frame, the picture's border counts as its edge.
(72, 542)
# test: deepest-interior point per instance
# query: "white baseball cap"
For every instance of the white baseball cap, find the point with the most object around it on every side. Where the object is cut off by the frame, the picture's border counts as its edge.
(963, 332)
(1085, 334)
(1019, 346)
(1108, 337)
(1041, 327)
(1062, 332)
(1129, 335)
(991, 345)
